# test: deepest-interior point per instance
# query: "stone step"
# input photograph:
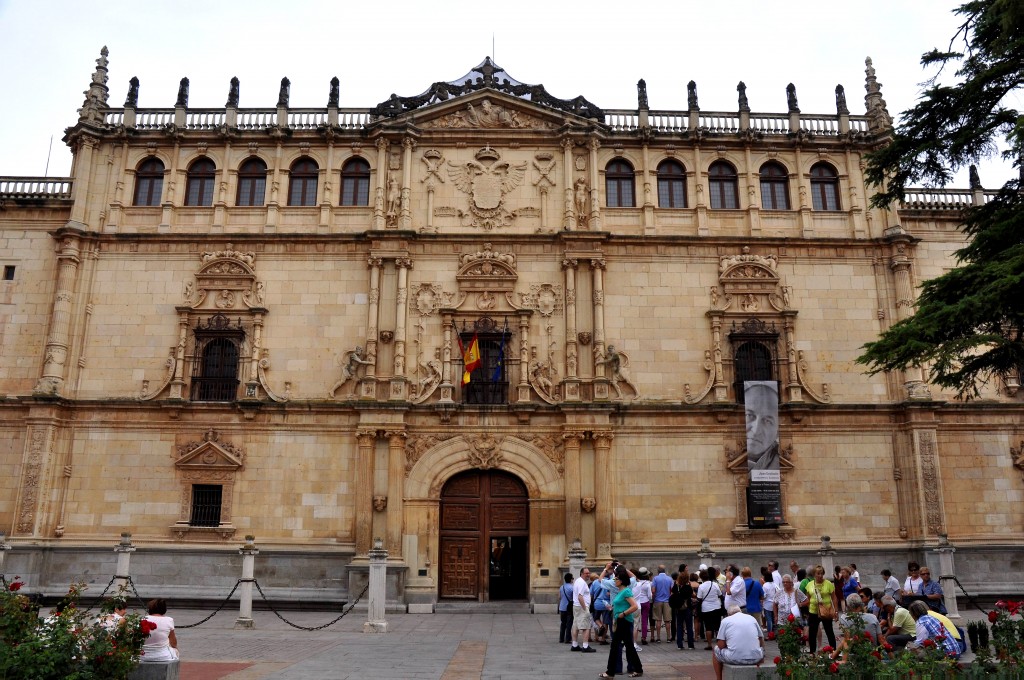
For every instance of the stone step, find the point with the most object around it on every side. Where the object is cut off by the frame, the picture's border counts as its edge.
(500, 607)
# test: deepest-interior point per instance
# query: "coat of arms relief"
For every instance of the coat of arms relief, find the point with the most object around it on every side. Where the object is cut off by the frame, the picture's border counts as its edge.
(488, 180)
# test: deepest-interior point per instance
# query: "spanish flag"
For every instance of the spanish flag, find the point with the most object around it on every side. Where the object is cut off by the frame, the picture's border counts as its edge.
(470, 359)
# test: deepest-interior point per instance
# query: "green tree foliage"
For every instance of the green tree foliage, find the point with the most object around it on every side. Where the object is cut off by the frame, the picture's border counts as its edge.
(969, 324)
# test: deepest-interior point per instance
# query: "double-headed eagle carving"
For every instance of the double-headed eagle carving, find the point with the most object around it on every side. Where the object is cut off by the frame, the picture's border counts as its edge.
(487, 180)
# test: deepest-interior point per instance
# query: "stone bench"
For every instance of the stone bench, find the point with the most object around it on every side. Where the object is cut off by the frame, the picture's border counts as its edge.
(731, 672)
(163, 670)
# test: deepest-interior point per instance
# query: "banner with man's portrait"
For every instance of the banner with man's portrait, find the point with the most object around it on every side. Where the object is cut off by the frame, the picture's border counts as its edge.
(764, 494)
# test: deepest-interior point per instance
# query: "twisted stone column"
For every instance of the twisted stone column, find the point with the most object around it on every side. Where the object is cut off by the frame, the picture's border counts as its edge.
(57, 343)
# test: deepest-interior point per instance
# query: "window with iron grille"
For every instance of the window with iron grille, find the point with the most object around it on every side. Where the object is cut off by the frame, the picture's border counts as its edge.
(206, 505)
(488, 383)
(754, 353)
(216, 361)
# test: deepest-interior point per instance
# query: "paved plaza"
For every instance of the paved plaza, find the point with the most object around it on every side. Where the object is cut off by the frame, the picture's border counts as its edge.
(450, 646)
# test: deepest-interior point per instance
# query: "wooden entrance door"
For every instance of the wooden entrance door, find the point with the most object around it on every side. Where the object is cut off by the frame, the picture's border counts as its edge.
(484, 533)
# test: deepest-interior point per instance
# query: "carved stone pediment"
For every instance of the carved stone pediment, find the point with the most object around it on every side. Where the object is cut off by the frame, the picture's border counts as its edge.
(210, 457)
(225, 279)
(488, 270)
(487, 112)
(747, 273)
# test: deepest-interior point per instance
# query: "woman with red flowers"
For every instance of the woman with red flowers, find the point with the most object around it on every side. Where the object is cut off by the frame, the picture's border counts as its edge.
(161, 645)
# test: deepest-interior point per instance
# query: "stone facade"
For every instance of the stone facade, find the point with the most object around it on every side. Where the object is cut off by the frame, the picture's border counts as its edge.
(483, 206)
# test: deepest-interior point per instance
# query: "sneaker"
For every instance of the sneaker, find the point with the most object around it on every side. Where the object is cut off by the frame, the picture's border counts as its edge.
(574, 648)
(638, 648)
(588, 650)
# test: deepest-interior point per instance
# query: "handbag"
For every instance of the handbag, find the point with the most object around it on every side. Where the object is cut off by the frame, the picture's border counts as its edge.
(825, 610)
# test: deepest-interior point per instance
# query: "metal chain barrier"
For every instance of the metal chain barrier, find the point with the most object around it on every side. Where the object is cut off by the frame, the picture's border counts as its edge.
(969, 598)
(215, 611)
(138, 597)
(99, 598)
(343, 614)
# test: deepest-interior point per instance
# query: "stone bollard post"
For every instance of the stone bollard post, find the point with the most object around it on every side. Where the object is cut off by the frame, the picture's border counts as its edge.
(124, 550)
(827, 555)
(947, 576)
(577, 558)
(375, 621)
(4, 547)
(249, 551)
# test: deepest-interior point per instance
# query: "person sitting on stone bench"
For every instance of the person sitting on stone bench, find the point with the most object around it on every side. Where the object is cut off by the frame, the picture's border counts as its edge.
(740, 641)
(161, 646)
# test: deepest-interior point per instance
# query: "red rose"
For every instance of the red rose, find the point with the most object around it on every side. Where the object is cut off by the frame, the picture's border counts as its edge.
(771, 635)
(887, 647)
(803, 638)
(791, 618)
(1001, 604)
(940, 638)
(834, 668)
(929, 643)
(15, 586)
(993, 616)
(826, 649)
(777, 660)
(877, 654)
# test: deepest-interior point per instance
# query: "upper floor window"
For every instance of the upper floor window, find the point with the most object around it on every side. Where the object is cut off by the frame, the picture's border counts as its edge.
(199, 187)
(774, 187)
(753, 361)
(671, 185)
(207, 500)
(824, 187)
(302, 182)
(149, 182)
(488, 382)
(215, 364)
(355, 182)
(252, 182)
(619, 184)
(724, 186)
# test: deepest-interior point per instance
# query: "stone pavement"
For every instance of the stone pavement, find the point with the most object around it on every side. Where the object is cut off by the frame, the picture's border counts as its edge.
(449, 646)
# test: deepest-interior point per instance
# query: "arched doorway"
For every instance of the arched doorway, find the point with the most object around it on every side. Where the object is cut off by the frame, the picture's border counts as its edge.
(484, 537)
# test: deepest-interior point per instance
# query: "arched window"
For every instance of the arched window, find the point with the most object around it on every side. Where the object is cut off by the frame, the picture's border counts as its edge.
(619, 184)
(671, 185)
(824, 187)
(199, 187)
(215, 377)
(149, 182)
(355, 182)
(252, 182)
(774, 187)
(302, 182)
(724, 184)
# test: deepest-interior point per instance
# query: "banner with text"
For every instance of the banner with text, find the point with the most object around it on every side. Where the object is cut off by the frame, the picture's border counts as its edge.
(764, 494)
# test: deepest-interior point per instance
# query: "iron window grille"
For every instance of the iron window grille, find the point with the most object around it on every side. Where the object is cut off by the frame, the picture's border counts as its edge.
(207, 500)
(489, 382)
(754, 354)
(215, 364)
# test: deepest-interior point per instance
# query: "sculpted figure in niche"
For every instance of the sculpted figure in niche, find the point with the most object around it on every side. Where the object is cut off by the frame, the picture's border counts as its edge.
(431, 378)
(580, 200)
(618, 364)
(350, 368)
(394, 199)
(541, 377)
(761, 407)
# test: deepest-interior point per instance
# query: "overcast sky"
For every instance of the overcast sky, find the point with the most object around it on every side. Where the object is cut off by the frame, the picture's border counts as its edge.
(598, 49)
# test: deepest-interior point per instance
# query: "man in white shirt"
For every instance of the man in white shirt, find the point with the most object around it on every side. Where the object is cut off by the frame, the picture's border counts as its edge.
(736, 588)
(773, 567)
(892, 586)
(740, 641)
(581, 619)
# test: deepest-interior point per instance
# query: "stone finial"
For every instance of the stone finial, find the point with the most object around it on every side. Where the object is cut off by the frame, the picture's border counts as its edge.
(791, 98)
(233, 94)
(841, 107)
(335, 94)
(741, 88)
(96, 95)
(878, 114)
(284, 93)
(691, 96)
(182, 100)
(132, 100)
(641, 93)
(975, 177)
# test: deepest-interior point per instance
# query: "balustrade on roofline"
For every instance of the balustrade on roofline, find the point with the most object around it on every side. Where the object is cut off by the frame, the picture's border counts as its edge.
(35, 187)
(944, 199)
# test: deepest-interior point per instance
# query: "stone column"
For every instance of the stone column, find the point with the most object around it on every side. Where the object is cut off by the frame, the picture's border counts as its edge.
(720, 388)
(796, 393)
(947, 576)
(366, 440)
(406, 218)
(572, 387)
(122, 572)
(804, 200)
(4, 547)
(597, 265)
(569, 213)
(913, 378)
(382, 178)
(254, 360)
(753, 181)
(248, 552)
(83, 179)
(447, 388)
(603, 493)
(372, 315)
(524, 356)
(595, 197)
(399, 384)
(648, 195)
(827, 556)
(178, 379)
(396, 482)
(577, 557)
(573, 493)
(57, 343)
(375, 621)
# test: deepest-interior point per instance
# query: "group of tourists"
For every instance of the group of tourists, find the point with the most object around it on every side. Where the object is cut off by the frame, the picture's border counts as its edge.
(733, 611)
